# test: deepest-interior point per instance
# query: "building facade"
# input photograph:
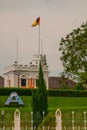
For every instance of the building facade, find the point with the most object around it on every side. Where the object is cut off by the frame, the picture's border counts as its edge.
(1, 81)
(26, 76)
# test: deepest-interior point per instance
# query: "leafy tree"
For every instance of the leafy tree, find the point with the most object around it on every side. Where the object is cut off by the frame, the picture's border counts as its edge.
(79, 86)
(74, 52)
(39, 100)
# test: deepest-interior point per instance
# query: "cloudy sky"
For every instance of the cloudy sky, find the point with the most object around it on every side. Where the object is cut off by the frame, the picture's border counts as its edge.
(58, 18)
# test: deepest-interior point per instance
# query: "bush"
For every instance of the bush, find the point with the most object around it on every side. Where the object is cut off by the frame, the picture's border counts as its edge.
(67, 93)
(20, 91)
(49, 120)
(51, 92)
(79, 86)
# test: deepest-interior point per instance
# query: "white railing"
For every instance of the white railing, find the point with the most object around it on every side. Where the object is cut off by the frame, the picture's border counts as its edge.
(47, 128)
(72, 124)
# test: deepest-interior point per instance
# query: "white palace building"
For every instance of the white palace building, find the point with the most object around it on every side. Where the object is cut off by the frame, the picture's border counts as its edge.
(26, 76)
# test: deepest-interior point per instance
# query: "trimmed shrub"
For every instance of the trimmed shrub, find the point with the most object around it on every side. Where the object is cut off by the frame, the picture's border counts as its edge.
(51, 92)
(20, 91)
(67, 93)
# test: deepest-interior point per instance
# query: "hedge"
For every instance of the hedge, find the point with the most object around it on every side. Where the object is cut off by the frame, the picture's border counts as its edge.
(67, 93)
(20, 91)
(55, 93)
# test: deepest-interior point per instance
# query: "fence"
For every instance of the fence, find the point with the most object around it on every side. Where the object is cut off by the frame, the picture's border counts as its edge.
(72, 121)
(48, 128)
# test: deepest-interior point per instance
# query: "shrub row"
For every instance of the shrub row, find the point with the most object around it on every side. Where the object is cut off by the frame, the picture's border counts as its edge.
(67, 93)
(20, 91)
(54, 93)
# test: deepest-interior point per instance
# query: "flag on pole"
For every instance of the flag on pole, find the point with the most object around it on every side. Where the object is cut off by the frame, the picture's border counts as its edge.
(36, 22)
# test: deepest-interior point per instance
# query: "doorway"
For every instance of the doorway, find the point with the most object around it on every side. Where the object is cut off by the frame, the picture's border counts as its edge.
(23, 82)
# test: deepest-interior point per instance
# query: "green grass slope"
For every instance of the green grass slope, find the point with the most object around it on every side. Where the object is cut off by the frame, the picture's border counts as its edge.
(65, 104)
(53, 103)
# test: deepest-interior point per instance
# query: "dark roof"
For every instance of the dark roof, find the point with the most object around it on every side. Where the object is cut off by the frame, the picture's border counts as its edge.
(58, 82)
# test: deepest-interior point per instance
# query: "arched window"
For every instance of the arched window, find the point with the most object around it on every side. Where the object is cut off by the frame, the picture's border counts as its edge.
(23, 80)
(37, 81)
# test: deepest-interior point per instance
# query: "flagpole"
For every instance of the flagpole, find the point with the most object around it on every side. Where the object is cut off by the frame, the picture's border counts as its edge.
(17, 50)
(39, 41)
(41, 46)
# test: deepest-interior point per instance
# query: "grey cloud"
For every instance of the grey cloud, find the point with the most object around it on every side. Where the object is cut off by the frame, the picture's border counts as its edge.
(20, 4)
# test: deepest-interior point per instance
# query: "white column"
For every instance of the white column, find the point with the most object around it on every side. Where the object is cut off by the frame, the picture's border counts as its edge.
(17, 120)
(84, 120)
(58, 116)
(72, 120)
(31, 120)
(26, 82)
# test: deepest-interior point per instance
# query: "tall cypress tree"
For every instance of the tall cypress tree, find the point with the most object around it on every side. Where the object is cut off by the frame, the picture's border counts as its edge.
(39, 100)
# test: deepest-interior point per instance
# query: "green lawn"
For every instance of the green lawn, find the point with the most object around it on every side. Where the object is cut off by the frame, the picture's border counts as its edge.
(65, 104)
(69, 103)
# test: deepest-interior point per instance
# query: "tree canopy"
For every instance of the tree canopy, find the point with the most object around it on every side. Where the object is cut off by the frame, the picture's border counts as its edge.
(74, 52)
